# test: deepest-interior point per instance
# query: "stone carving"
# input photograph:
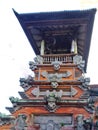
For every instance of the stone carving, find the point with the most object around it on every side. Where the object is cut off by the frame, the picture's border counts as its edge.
(54, 84)
(51, 103)
(50, 125)
(13, 99)
(85, 82)
(52, 98)
(38, 59)
(14, 102)
(56, 65)
(33, 66)
(56, 76)
(20, 122)
(90, 106)
(36, 92)
(77, 59)
(26, 83)
(80, 123)
(54, 93)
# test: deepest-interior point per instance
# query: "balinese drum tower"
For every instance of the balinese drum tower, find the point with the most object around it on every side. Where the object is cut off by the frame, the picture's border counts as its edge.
(59, 96)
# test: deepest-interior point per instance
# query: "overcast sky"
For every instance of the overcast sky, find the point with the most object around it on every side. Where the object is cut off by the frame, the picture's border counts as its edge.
(16, 52)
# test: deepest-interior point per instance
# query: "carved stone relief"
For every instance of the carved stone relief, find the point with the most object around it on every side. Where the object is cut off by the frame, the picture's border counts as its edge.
(77, 59)
(38, 59)
(54, 84)
(56, 65)
(85, 82)
(20, 122)
(32, 65)
(26, 83)
(56, 76)
(51, 101)
(53, 121)
(80, 123)
(36, 92)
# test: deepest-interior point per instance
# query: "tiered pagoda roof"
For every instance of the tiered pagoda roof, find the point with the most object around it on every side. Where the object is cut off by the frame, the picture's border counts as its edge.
(59, 26)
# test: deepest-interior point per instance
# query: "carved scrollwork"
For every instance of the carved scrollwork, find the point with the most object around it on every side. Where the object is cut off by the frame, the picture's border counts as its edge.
(55, 76)
(36, 92)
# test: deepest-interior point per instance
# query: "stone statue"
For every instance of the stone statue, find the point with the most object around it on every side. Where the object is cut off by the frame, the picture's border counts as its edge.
(80, 123)
(51, 103)
(20, 122)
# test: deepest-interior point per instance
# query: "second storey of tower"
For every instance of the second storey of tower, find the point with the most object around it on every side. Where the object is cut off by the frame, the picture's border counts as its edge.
(64, 67)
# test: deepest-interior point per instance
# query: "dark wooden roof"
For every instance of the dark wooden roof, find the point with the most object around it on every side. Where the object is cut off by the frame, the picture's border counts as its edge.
(23, 95)
(64, 26)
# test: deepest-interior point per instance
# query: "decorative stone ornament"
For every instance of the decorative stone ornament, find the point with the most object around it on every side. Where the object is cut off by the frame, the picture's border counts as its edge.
(38, 59)
(36, 92)
(77, 59)
(80, 123)
(51, 102)
(54, 84)
(56, 76)
(33, 66)
(85, 82)
(20, 122)
(56, 65)
(26, 83)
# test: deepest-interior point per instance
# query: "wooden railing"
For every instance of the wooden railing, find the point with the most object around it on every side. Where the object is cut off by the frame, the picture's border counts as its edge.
(64, 58)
